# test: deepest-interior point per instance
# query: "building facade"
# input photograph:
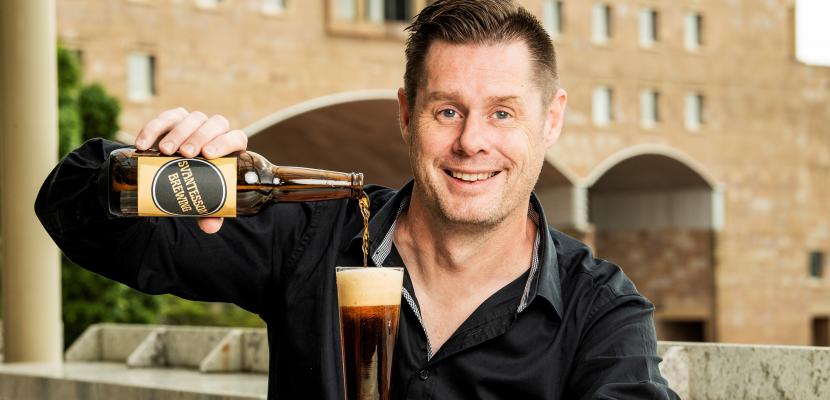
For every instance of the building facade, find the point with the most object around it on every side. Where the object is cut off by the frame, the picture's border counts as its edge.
(695, 153)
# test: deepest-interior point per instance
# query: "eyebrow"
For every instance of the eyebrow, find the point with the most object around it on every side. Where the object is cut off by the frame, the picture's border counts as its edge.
(453, 96)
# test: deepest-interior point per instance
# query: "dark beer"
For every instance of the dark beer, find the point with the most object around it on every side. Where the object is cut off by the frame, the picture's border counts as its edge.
(368, 345)
(370, 301)
(146, 183)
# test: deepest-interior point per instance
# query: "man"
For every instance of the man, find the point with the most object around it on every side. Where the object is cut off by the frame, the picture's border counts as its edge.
(496, 304)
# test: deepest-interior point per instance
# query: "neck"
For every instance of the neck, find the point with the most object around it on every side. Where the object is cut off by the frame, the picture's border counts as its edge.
(432, 247)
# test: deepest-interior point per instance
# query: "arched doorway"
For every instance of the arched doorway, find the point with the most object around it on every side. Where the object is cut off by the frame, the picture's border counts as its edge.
(355, 131)
(563, 202)
(656, 215)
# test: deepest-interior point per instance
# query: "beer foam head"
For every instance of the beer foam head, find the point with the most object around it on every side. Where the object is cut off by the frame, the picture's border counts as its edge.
(369, 286)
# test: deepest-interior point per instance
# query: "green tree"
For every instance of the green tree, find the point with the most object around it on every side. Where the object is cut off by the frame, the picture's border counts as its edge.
(85, 112)
(69, 88)
(98, 112)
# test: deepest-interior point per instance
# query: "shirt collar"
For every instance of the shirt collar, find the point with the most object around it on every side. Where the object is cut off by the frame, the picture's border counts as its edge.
(543, 280)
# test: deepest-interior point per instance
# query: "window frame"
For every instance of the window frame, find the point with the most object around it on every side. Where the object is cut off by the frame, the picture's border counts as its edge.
(151, 90)
(601, 17)
(693, 111)
(648, 24)
(602, 98)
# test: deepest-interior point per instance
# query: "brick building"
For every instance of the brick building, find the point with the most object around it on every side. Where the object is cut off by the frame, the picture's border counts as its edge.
(696, 148)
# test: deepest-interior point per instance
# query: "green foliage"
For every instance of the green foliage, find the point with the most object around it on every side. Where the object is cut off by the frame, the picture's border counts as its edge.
(98, 112)
(177, 311)
(89, 298)
(69, 88)
(85, 112)
(69, 77)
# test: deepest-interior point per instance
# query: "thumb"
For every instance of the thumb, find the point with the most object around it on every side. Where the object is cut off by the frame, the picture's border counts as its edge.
(210, 224)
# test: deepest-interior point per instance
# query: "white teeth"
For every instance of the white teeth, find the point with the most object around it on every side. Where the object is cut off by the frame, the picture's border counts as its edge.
(472, 177)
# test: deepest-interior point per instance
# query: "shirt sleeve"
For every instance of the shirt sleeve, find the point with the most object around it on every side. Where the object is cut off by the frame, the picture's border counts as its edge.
(165, 255)
(617, 357)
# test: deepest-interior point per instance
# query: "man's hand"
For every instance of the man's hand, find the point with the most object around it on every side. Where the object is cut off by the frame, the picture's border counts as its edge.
(192, 134)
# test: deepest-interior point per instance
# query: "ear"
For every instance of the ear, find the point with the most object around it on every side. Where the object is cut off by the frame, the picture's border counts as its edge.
(555, 117)
(403, 115)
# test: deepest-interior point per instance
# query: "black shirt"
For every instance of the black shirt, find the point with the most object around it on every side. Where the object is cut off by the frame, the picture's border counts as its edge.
(574, 327)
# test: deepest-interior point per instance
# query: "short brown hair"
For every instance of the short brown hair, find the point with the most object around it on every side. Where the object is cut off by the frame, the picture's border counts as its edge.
(478, 22)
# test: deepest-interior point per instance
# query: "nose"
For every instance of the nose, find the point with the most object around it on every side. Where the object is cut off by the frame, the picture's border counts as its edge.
(473, 137)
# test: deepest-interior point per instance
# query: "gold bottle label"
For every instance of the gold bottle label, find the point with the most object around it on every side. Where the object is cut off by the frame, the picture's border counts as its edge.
(176, 186)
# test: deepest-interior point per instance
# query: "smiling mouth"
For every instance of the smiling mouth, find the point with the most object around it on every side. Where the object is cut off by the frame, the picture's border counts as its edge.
(471, 177)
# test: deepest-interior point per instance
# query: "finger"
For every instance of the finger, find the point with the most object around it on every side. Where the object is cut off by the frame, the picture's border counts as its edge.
(210, 224)
(159, 126)
(222, 145)
(171, 142)
(212, 128)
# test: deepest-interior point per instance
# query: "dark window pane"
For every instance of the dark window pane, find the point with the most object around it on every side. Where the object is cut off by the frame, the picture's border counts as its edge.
(816, 264)
(397, 10)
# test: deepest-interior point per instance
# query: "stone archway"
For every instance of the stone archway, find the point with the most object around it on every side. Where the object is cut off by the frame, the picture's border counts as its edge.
(656, 214)
(354, 131)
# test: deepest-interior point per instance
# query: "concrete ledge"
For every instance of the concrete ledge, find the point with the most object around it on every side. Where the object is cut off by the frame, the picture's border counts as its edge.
(211, 349)
(105, 381)
(697, 371)
(735, 371)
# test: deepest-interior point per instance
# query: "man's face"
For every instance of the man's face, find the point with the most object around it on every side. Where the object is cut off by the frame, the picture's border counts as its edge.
(479, 131)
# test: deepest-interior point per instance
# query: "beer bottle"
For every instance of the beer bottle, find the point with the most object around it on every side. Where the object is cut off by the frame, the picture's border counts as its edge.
(147, 183)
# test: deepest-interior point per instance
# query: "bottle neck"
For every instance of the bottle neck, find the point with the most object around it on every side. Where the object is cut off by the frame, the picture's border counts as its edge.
(308, 184)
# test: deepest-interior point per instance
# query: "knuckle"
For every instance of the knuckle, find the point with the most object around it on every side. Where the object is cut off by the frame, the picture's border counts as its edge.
(151, 128)
(170, 115)
(220, 120)
(240, 137)
(198, 115)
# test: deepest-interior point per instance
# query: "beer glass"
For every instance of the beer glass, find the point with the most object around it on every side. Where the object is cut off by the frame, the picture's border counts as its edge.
(370, 303)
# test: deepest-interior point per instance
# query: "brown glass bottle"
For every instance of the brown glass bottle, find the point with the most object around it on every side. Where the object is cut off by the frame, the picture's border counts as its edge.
(230, 186)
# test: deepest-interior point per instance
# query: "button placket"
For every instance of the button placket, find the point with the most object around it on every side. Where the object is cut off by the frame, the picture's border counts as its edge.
(423, 374)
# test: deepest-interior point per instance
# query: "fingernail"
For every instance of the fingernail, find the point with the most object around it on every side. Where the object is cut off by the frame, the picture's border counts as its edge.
(209, 151)
(166, 147)
(141, 144)
(187, 149)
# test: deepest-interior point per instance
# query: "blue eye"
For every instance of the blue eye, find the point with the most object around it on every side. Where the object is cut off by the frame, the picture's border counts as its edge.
(448, 113)
(501, 114)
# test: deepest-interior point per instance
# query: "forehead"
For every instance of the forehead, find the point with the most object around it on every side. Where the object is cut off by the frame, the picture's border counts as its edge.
(498, 69)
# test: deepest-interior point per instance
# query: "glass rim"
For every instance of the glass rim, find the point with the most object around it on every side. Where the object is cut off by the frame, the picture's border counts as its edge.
(344, 268)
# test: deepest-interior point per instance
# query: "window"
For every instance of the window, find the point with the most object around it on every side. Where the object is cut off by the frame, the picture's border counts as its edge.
(821, 331)
(346, 10)
(141, 76)
(553, 17)
(397, 10)
(649, 111)
(694, 111)
(692, 31)
(816, 264)
(374, 10)
(273, 6)
(208, 3)
(648, 27)
(601, 23)
(602, 106)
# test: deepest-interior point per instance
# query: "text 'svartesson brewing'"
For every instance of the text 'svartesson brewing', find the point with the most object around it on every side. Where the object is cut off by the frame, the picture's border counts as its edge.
(146, 183)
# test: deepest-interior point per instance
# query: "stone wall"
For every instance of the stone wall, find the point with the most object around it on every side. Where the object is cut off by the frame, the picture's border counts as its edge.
(672, 267)
(765, 137)
(698, 371)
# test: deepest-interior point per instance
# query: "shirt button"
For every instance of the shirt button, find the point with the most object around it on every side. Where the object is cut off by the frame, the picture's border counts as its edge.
(423, 374)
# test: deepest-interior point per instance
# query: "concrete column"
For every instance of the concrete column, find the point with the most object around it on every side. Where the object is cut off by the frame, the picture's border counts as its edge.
(29, 132)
